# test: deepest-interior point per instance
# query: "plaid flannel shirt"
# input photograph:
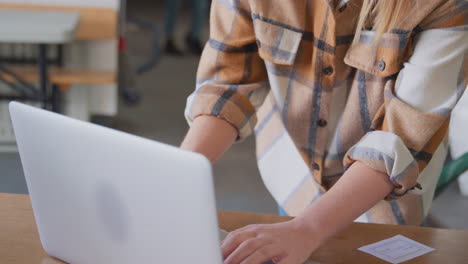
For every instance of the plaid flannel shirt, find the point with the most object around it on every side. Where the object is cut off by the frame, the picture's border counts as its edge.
(289, 72)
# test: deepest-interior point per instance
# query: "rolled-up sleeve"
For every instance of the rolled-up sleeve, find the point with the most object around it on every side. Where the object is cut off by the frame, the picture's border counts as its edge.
(416, 113)
(231, 78)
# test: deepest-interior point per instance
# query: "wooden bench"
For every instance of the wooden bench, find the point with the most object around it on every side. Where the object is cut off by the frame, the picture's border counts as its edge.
(63, 77)
(95, 24)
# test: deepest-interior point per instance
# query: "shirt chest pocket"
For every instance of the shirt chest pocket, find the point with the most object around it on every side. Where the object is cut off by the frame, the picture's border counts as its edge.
(277, 44)
(384, 58)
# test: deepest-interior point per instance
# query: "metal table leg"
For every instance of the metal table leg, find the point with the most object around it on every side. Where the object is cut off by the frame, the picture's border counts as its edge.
(55, 93)
(43, 76)
(55, 99)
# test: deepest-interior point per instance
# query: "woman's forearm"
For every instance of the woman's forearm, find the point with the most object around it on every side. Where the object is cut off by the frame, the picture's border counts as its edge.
(209, 136)
(360, 188)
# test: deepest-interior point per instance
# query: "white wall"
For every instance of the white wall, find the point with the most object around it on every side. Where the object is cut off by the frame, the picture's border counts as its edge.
(84, 100)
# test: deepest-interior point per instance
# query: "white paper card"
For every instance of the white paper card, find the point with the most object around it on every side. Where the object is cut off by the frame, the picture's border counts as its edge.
(396, 249)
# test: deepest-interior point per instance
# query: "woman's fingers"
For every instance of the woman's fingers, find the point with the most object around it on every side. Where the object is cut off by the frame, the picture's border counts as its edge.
(234, 239)
(245, 249)
(266, 253)
(284, 243)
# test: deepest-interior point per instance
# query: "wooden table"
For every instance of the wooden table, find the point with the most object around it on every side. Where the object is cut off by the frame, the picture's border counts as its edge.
(19, 241)
(42, 28)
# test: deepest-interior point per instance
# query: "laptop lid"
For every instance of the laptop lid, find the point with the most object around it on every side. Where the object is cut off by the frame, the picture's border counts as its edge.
(103, 196)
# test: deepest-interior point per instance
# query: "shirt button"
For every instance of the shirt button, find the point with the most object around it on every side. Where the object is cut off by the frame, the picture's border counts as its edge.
(328, 70)
(322, 122)
(315, 166)
(343, 7)
(381, 65)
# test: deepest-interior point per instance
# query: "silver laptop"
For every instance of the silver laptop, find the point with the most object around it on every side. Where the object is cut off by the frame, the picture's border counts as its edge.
(103, 196)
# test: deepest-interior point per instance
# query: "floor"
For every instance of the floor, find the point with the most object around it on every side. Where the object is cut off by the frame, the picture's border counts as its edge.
(160, 117)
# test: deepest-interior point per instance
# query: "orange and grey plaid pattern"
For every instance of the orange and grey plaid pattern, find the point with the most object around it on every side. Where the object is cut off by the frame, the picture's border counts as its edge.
(289, 72)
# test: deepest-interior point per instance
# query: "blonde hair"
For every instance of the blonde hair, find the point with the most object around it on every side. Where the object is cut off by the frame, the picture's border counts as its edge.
(380, 15)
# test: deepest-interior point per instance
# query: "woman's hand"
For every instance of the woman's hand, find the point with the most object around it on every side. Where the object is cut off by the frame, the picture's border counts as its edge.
(292, 242)
(284, 243)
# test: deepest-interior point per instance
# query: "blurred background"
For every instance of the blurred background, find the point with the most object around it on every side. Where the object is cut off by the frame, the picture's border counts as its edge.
(135, 63)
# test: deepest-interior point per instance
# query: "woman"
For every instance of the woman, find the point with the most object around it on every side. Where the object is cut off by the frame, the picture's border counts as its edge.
(349, 101)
